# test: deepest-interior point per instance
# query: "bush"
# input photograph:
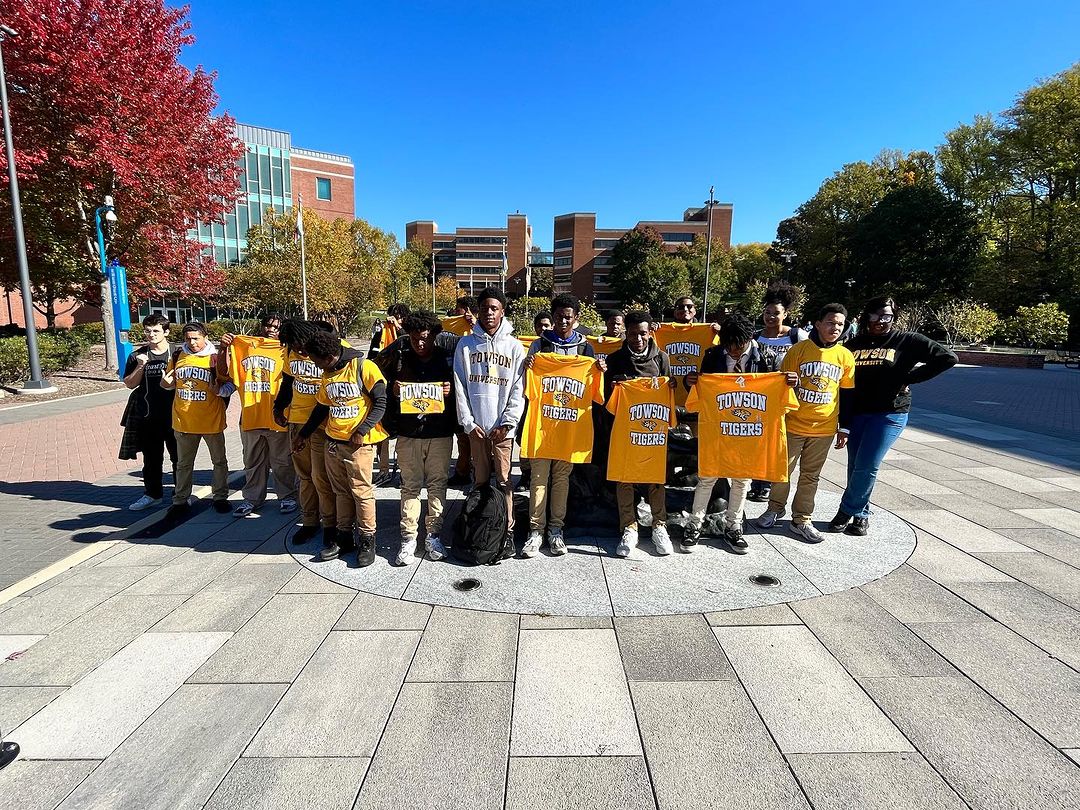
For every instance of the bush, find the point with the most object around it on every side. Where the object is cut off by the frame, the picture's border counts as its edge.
(967, 321)
(89, 334)
(56, 350)
(1037, 327)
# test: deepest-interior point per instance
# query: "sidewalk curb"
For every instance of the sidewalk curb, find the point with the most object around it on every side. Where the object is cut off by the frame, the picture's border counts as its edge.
(95, 548)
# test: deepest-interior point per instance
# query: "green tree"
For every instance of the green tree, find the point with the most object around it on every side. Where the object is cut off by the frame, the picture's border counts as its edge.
(643, 271)
(966, 320)
(1038, 327)
(722, 278)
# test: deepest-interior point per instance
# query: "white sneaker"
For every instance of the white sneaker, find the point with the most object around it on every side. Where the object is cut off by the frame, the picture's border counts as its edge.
(628, 539)
(556, 542)
(243, 509)
(407, 554)
(532, 545)
(145, 502)
(768, 519)
(435, 549)
(288, 505)
(661, 540)
(807, 532)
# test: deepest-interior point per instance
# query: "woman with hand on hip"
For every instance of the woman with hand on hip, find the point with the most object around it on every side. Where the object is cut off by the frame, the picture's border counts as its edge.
(887, 362)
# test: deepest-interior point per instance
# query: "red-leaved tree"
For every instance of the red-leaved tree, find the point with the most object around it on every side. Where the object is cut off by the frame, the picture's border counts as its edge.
(100, 105)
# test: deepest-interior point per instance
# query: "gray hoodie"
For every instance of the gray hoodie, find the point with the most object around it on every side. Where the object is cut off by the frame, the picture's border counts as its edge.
(488, 375)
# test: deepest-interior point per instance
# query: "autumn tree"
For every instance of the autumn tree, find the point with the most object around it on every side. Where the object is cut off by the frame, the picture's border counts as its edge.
(722, 281)
(641, 270)
(100, 105)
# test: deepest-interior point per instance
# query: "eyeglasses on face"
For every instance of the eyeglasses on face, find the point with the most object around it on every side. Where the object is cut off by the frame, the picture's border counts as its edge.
(878, 318)
(685, 306)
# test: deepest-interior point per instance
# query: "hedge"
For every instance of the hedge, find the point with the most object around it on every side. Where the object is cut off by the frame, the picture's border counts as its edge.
(57, 351)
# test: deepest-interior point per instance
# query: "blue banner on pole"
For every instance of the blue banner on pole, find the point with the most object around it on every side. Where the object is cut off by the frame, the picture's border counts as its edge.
(121, 312)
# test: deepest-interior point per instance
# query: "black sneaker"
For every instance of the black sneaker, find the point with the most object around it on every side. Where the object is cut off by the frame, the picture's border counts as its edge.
(459, 481)
(691, 535)
(759, 495)
(859, 527)
(222, 507)
(303, 534)
(329, 535)
(381, 479)
(735, 539)
(330, 552)
(365, 555)
(840, 522)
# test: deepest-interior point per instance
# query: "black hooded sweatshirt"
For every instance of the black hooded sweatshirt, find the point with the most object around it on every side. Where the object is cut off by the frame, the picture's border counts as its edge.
(885, 367)
(622, 365)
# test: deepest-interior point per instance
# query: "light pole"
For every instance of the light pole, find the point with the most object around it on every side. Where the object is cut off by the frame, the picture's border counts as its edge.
(36, 384)
(708, 252)
(787, 256)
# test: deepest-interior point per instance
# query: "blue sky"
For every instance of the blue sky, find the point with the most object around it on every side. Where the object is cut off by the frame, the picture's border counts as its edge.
(464, 112)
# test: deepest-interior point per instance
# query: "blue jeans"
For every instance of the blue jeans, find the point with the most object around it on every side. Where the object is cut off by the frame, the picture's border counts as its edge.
(872, 434)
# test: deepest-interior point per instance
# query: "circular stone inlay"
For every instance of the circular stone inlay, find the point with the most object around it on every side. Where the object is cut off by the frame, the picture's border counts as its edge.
(591, 581)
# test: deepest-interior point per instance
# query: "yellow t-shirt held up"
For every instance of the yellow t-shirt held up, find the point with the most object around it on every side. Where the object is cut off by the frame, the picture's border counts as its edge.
(741, 426)
(422, 398)
(255, 368)
(561, 390)
(685, 344)
(644, 409)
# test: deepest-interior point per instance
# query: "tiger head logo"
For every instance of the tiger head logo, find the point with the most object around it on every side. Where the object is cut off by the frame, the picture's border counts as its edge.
(741, 414)
(649, 424)
(562, 398)
(820, 383)
(421, 405)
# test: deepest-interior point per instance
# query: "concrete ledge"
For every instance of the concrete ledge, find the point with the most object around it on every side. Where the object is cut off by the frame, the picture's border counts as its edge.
(1000, 359)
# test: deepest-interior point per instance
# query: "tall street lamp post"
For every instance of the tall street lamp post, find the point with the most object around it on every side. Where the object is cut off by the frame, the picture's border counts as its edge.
(36, 384)
(708, 251)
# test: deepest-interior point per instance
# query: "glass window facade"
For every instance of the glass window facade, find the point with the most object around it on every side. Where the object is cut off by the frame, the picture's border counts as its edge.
(678, 237)
(564, 244)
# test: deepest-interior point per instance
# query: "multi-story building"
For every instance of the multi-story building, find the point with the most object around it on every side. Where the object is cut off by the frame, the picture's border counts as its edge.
(583, 251)
(479, 257)
(274, 174)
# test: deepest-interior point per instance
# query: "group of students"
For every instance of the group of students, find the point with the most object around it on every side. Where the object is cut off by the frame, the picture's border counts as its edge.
(316, 412)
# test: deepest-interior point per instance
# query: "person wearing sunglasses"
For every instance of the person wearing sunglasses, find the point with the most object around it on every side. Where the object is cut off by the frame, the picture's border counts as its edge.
(887, 364)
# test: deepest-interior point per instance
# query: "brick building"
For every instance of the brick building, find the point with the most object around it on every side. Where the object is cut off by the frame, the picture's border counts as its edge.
(475, 256)
(583, 251)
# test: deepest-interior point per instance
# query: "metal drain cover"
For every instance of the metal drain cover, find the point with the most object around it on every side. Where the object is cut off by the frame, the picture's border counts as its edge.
(765, 580)
(467, 584)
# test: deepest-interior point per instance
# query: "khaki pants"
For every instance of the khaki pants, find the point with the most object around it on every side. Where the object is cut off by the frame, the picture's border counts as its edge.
(316, 494)
(489, 458)
(549, 484)
(187, 447)
(810, 453)
(627, 500)
(266, 449)
(423, 462)
(736, 499)
(349, 470)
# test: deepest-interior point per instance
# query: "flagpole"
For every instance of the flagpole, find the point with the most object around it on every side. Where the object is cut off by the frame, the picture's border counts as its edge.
(502, 275)
(303, 256)
(433, 280)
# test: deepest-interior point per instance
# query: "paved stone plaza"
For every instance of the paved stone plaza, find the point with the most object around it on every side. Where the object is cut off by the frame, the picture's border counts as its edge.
(210, 667)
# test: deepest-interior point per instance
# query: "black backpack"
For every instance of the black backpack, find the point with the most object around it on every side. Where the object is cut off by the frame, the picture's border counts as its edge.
(480, 528)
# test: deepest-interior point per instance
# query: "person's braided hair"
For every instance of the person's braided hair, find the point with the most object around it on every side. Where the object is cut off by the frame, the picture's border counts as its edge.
(736, 330)
(296, 332)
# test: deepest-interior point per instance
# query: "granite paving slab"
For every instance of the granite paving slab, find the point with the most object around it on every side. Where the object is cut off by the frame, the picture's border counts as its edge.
(268, 577)
(305, 581)
(1051, 542)
(214, 612)
(277, 641)
(442, 726)
(569, 783)
(1007, 498)
(17, 644)
(671, 648)
(807, 700)
(1012, 480)
(956, 531)
(187, 574)
(93, 717)
(158, 768)
(873, 782)
(69, 653)
(28, 785)
(537, 622)
(1053, 577)
(338, 705)
(1056, 518)
(112, 579)
(1064, 481)
(913, 597)
(694, 733)
(766, 614)
(19, 703)
(1037, 617)
(986, 754)
(290, 784)
(947, 564)
(985, 514)
(466, 645)
(866, 639)
(1038, 688)
(913, 484)
(51, 610)
(571, 696)
(368, 612)
(145, 552)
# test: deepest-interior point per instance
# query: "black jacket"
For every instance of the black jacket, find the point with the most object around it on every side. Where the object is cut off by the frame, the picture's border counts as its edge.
(399, 363)
(623, 366)
(715, 361)
(885, 367)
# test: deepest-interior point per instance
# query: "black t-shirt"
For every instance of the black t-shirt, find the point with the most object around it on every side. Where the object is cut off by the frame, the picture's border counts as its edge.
(885, 365)
(400, 363)
(153, 400)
